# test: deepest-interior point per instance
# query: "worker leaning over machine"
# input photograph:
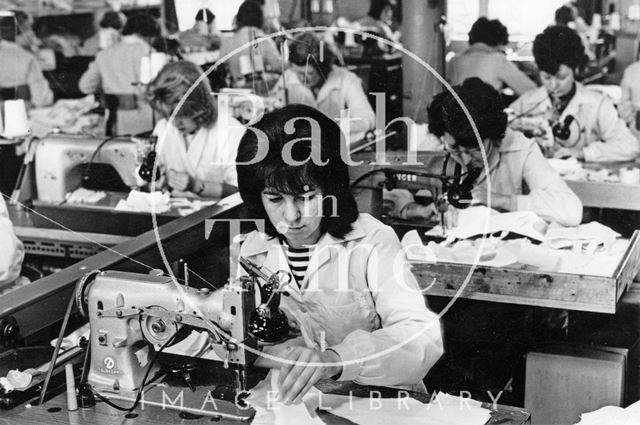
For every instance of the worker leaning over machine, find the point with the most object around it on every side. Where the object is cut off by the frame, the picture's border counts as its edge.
(197, 146)
(585, 123)
(521, 178)
(351, 291)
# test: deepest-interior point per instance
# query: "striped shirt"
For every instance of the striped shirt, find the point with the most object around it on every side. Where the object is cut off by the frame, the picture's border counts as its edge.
(298, 259)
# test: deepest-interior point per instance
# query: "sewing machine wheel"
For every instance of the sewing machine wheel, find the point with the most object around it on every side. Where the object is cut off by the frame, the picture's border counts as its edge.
(81, 292)
(157, 330)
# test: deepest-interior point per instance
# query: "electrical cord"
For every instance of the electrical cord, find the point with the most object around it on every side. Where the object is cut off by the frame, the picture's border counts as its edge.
(87, 169)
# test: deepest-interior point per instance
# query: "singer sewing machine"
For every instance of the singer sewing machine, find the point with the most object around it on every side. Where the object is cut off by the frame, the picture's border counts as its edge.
(134, 317)
(434, 171)
(63, 161)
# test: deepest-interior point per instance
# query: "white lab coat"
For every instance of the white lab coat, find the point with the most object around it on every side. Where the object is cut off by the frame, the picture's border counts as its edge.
(359, 302)
(211, 152)
(11, 249)
(603, 136)
(522, 172)
(342, 90)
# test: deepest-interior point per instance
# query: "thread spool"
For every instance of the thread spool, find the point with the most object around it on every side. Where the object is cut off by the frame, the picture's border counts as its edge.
(72, 400)
(629, 175)
(16, 123)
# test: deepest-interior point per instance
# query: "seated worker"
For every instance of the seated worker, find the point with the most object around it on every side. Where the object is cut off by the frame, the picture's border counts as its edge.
(486, 60)
(521, 178)
(379, 21)
(21, 75)
(115, 72)
(203, 36)
(314, 79)
(363, 305)
(264, 56)
(586, 124)
(108, 34)
(197, 148)
(12, 251)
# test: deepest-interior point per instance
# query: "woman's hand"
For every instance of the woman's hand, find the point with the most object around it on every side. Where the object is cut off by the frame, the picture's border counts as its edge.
(178, 180)
(303, 369)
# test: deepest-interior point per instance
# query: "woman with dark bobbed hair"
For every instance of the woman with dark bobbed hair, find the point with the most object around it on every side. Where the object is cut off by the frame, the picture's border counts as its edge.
(352, 291)
(521, 178)
(587, 125)
(262, 56)
(196, 148)
(313, 78)
(486, 60)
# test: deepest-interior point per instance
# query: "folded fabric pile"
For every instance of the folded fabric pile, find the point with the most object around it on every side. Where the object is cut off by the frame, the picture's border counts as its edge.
(590, 249)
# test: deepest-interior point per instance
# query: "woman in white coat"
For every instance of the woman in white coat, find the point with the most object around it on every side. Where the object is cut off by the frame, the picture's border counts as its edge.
(353, 303)
(585, 123)
(521, 178)
(314, 79)
(197, 148)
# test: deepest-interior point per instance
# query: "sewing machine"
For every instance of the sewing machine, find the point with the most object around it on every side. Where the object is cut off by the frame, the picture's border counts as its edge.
(434, 171)
(134, 317)
(63, 161)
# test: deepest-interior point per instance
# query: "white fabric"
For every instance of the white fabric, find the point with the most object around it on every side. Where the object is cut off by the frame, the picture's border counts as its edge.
(443, 409)
(603, 136)
(211, 152)
(612, 415)
(358, 301)
(11, 249)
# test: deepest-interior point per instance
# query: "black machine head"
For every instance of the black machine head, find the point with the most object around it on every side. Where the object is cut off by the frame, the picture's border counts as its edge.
(562, 130)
